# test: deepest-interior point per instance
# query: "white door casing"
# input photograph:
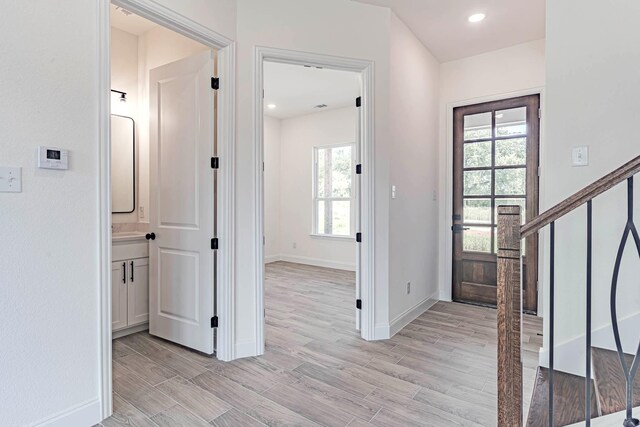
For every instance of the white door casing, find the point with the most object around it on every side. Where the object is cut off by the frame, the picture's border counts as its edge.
(181, 285)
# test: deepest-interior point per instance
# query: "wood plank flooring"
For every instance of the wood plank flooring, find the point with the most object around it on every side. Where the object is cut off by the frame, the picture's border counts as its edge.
(439, 371)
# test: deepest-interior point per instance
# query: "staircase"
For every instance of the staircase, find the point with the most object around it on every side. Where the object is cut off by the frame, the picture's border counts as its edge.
(607, 392)
(562, 399)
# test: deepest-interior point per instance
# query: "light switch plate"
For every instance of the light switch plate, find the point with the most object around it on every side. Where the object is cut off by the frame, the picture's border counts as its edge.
(10, 179)
(580, 156)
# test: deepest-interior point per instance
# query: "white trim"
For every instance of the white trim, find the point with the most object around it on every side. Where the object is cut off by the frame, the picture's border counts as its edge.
(317, 262)
(445, 246)
(168, 18)
(565, 354)
(85, 414)
(367, 276)
(245, 349)
(386, 331)
(131, 330)
(104, 206)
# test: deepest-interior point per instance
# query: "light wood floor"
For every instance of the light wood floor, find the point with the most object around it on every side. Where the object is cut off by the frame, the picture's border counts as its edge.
(439, 371)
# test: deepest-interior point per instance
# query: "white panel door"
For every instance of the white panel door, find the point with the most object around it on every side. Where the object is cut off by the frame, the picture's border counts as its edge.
(138, 301)
(118, 295)
(181, 144)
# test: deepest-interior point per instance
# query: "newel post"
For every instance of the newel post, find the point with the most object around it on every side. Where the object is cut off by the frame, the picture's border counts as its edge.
(509, 312)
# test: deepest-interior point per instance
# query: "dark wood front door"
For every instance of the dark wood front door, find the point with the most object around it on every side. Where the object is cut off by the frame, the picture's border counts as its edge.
(496, 153)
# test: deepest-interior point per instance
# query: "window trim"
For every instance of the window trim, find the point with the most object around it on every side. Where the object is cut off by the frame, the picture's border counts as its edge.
(314, 193)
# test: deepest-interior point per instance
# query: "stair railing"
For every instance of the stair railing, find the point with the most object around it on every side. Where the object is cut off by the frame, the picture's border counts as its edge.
(509, 316)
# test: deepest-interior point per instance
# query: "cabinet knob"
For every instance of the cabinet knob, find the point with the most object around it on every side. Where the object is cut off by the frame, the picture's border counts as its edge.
(150, 236)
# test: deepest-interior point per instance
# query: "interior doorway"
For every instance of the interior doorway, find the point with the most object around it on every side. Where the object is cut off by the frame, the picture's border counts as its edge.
(166, 184)
(312, 200)
(496, 162)
(356, 222)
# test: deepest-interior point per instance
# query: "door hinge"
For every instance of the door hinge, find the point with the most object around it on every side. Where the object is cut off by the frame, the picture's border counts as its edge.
(214, 322)
(359, 237)
(539, 171)
(359, 304)
(358, 169)
(215, 83)
(215, 162)
(539, 113)
(359, 101)
(214, 243)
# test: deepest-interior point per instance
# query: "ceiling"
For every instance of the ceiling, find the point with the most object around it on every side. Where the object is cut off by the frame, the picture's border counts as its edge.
(296, 89)
(443, 28)
(126, 21)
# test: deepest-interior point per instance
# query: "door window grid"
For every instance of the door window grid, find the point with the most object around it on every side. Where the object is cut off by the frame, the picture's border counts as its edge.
(333, 210)
(477, 164)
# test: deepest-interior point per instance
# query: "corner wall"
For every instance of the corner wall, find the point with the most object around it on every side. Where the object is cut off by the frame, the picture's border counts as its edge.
(592, 95)
(413, 153)
(299, 136)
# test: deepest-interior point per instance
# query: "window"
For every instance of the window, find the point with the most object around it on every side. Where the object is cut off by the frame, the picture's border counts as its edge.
(333, 193)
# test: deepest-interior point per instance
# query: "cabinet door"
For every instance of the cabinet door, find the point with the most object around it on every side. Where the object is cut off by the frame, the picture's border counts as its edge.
(138, 311)
(118, 295)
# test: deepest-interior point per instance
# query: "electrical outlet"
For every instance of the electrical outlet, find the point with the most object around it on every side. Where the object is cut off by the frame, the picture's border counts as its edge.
(295, 245)
(408, 288)
(141, 209)
(435, 196)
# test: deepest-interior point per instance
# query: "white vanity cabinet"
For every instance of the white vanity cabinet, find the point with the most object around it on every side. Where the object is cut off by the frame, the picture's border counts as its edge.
(129, 283)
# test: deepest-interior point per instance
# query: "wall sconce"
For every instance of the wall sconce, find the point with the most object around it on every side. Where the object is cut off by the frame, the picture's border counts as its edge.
(123, 95)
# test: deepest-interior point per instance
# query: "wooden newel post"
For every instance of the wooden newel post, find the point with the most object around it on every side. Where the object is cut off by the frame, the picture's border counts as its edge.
(509, 312)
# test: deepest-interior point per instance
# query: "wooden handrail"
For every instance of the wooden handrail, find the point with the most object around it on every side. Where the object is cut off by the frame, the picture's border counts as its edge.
(581, 197)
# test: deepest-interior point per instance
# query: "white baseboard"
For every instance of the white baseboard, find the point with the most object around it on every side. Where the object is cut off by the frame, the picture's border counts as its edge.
(128, 331)
(385, 331)
(570, 355)
(246, 349)
(311, 261)
(271, 258)
(85, 414)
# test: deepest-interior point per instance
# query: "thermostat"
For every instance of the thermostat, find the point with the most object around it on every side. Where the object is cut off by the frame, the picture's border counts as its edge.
(53, 158)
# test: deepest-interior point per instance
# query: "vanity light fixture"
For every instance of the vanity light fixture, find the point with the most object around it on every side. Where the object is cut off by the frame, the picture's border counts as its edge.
(123, 95)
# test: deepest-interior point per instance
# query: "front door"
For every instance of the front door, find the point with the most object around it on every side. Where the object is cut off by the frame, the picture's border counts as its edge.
(496, 151)
(181, 139)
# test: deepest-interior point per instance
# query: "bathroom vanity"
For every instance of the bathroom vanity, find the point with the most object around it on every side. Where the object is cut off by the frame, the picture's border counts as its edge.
(129, 283)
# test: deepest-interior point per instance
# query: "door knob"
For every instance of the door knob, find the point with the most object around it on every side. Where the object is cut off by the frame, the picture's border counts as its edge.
(150, 236)
(458, 228)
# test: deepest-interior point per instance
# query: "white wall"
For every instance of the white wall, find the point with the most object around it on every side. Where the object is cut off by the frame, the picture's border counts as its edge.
(272, 191)
(124, 77)
(49, 232)
(156, 47)
(591, 99)
(413, 222)
(493, 75)
(299, 136)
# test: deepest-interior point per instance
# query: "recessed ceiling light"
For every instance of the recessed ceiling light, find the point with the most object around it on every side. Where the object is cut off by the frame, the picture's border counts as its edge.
(499, 116)
(477, 17)
(271, 106)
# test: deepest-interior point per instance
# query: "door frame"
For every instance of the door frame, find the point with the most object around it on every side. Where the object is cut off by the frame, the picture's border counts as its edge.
(366, 70)
(531, 189)
(226, 50)
(445, 273)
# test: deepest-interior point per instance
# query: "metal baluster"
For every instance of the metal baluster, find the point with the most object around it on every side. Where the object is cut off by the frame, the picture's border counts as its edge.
(551, 319)
(587, 379)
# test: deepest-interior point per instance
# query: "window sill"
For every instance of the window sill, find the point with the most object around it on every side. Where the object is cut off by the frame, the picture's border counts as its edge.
(331, 237)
